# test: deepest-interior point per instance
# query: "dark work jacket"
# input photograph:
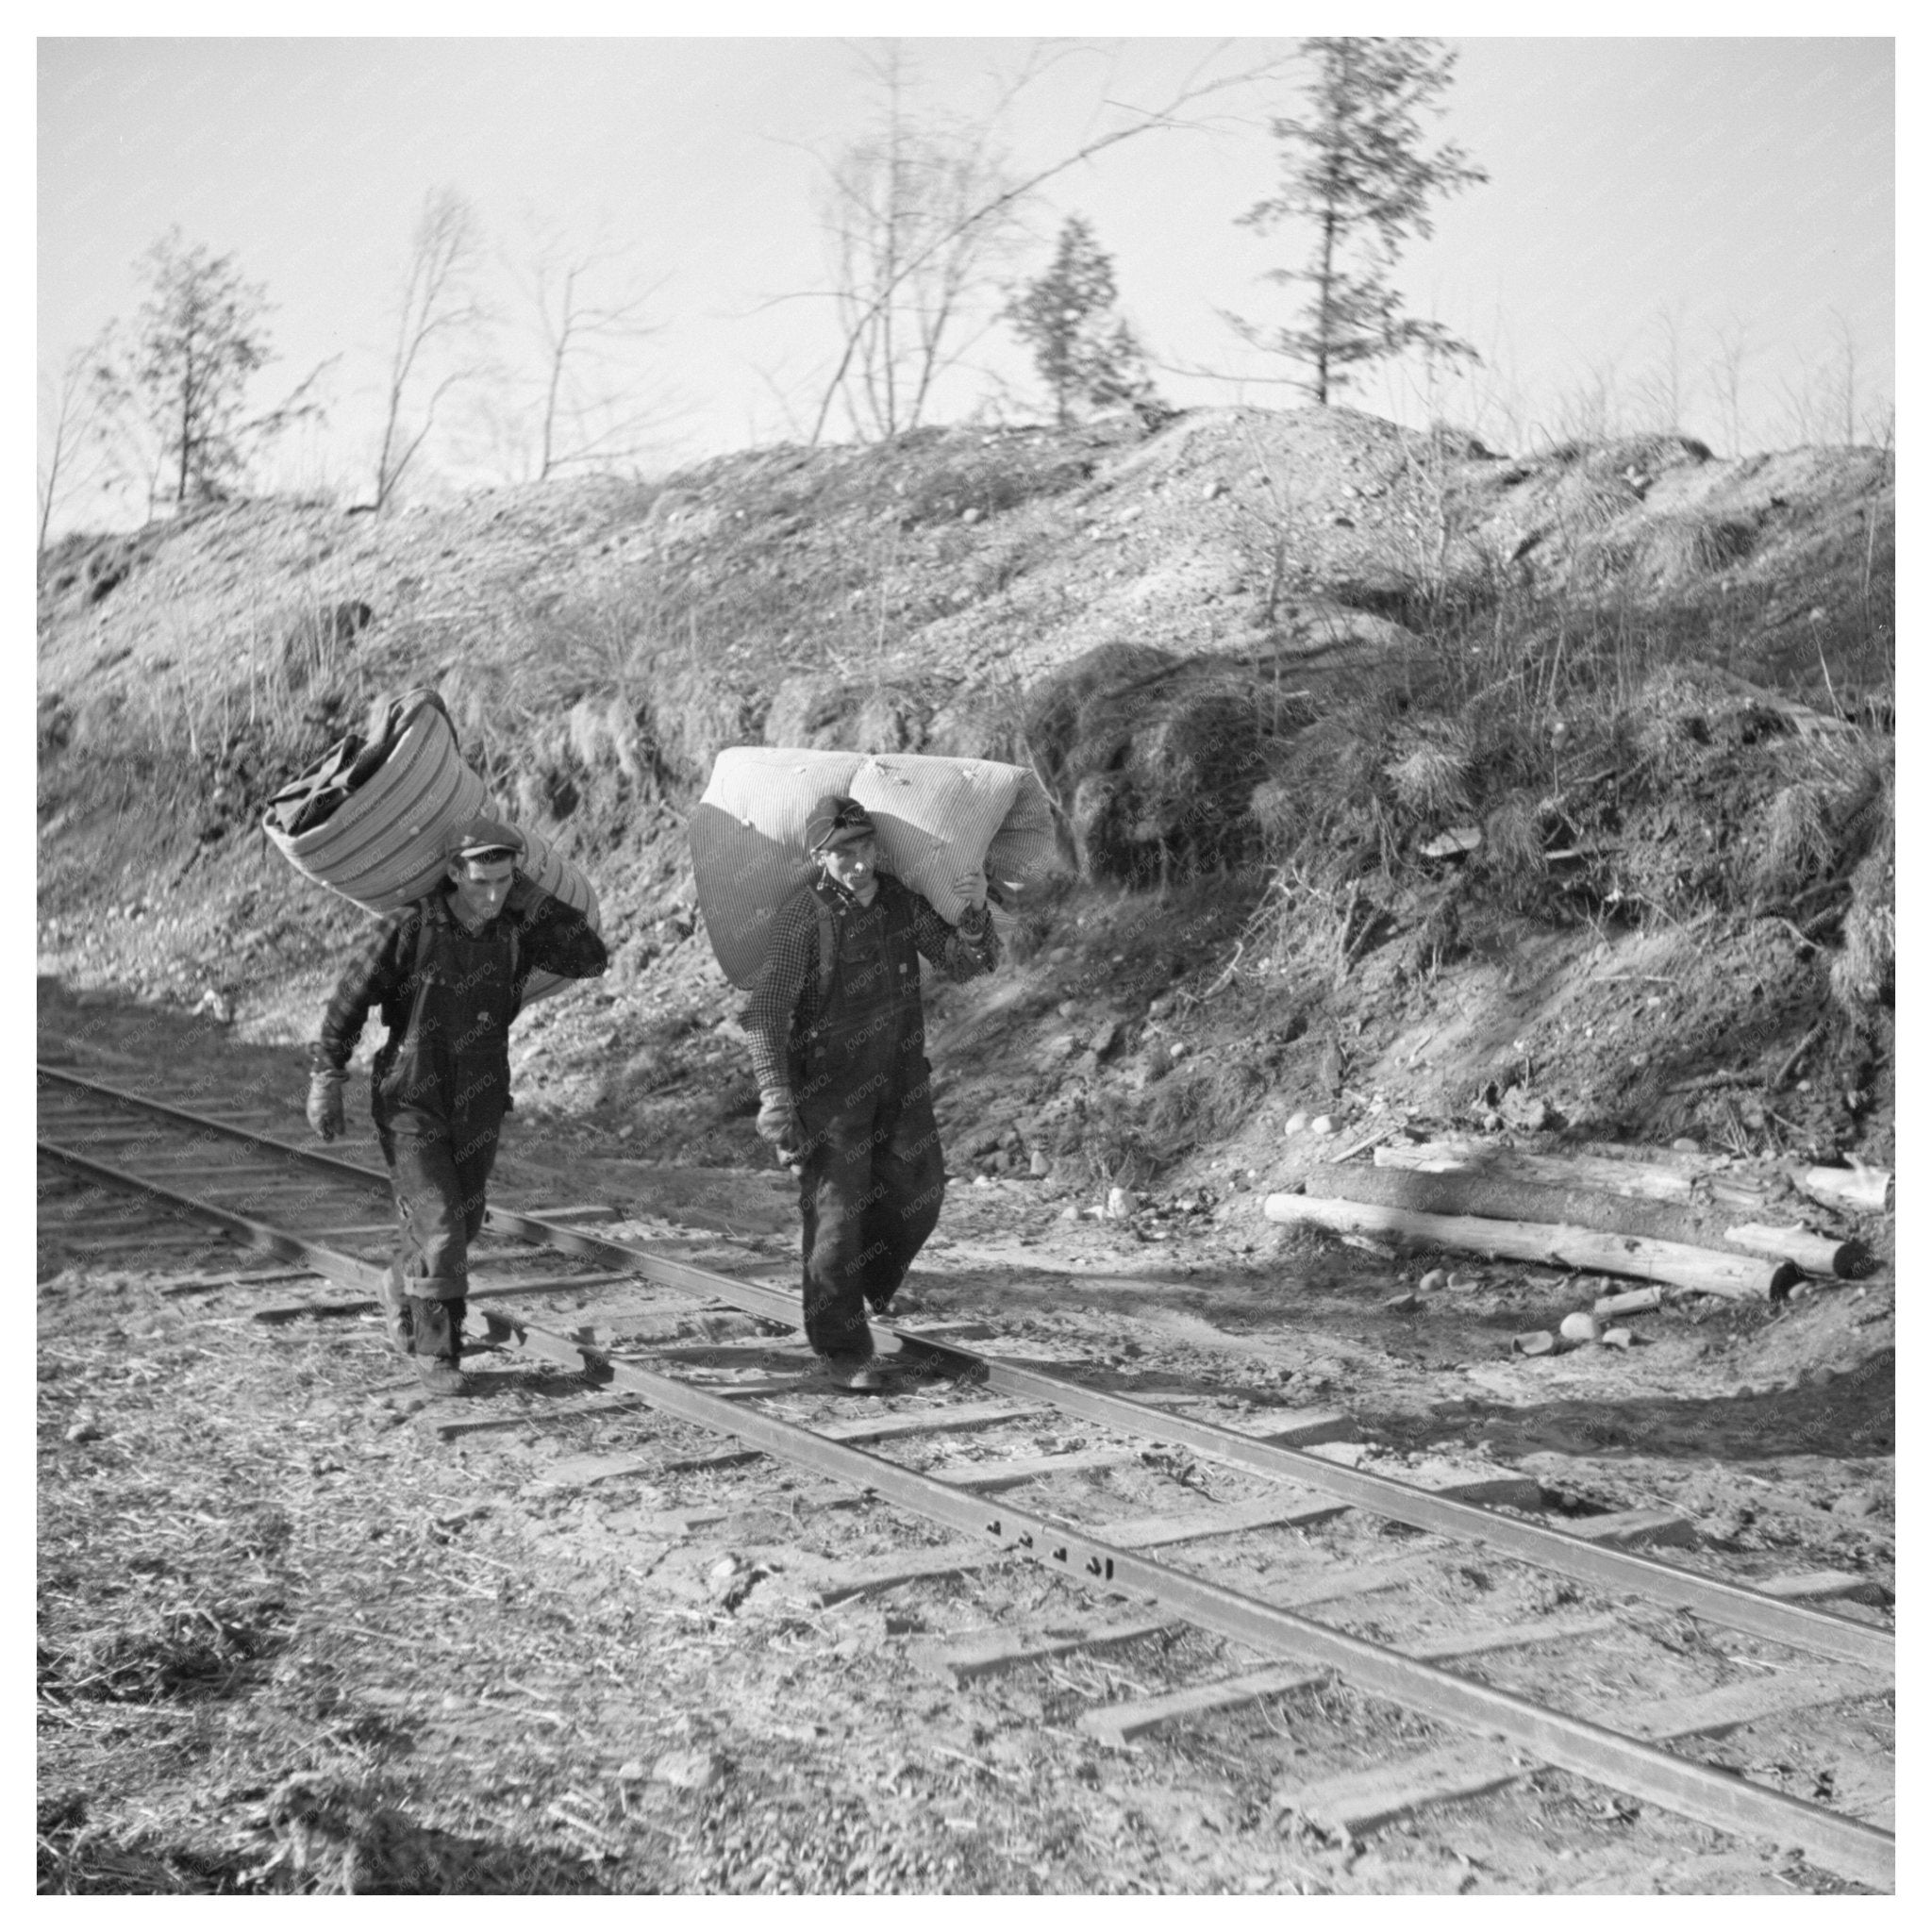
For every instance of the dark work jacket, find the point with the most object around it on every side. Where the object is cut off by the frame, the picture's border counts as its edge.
(447, 998)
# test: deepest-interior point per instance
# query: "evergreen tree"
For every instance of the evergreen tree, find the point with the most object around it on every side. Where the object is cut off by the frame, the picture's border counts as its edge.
(198, 338)
(1356, 166)
(1083, 352)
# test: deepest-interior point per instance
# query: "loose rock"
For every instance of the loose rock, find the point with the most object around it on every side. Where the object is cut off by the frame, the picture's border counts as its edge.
(1580, 1327)
(690, 1771)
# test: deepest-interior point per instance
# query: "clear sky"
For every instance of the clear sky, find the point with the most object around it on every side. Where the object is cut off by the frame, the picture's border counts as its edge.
(1731, 185)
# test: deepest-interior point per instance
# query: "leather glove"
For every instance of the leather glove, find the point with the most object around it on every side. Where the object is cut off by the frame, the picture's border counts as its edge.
(779, 1124)
(524, 892)
(325, 1113)
(973, 920)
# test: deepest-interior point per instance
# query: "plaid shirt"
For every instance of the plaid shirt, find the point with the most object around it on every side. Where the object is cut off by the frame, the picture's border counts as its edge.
(785, 998)
(551, 938)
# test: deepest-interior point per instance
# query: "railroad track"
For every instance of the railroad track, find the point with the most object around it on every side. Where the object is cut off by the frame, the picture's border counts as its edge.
(123, 1173)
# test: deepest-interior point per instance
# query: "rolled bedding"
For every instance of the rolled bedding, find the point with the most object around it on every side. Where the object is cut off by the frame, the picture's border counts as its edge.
(938, 819)
(368, 818)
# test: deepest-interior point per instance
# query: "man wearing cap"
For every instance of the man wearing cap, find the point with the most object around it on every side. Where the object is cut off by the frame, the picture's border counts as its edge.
(448, 974)
(838, 1045)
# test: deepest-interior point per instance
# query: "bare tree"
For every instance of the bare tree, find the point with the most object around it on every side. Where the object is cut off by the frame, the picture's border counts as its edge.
(70, 400)
(979, 207)
(1728, 380)
(1660, 391)
(1844, 378)
(437, 314)
(584, 311)
(918, 217)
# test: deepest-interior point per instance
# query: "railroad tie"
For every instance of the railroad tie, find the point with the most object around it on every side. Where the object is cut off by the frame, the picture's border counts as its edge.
(887, 1573)
(988, 1652)
(1033, 1469)
(1362, 1802)
(1151, 1532)
(1120, 1723)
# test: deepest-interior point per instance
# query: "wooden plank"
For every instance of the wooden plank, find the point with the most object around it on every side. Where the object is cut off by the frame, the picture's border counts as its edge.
(1032, 1469)
(296, 1312)
(988, 1652)
(887, 1573)
(1819, 1586)
(544, 1284)
(1515, 1636)
(1626, 1528)
(257, 1280)
(1285, 1429)
(1151, 1532)
(1730, 1708)
(569, 1410)
(976, 1415)
(1120, 1723)
(1360, 1802)
(1509, 1487)
(1325, 1587)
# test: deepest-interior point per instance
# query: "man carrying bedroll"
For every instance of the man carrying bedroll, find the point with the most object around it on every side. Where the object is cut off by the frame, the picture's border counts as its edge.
(448, 974)
(838, 1045)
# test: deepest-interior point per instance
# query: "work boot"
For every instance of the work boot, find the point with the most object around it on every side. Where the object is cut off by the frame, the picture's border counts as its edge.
(860, 1375)
(394, 1304)
(437, 1346)
(441, 1375)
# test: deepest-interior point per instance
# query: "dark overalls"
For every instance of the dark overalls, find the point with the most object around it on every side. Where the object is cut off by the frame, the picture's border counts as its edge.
(439, 1095)
(872, 1176)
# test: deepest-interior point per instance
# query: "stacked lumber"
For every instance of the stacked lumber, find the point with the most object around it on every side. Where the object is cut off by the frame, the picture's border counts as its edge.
(1658, 1221)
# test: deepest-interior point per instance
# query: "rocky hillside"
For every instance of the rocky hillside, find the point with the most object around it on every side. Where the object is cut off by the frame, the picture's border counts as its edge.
(1550, 791)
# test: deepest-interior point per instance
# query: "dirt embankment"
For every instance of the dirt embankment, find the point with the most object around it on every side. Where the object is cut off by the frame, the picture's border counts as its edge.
(1402, 771)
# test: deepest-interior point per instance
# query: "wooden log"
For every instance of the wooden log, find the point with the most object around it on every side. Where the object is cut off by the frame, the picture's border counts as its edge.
(1590, 1250)
(1505, 1197)
(1816, 1254)
(1632, 1302)
(1866, 1190)
(1640, 1179)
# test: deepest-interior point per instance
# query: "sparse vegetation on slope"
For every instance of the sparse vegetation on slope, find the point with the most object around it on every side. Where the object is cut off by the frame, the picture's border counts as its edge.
(1400, 705)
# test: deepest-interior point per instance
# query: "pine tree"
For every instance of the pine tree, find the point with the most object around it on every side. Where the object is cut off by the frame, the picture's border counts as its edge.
(1357, 168)
(198, 339)
(1083, 352)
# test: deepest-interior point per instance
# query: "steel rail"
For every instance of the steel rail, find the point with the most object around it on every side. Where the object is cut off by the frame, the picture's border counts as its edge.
(1699, 1791)
(1731, 1605)
(258, 1234)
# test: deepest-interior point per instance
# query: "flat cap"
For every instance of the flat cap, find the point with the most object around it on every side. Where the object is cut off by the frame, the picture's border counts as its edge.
(475, 838)
(836, 821)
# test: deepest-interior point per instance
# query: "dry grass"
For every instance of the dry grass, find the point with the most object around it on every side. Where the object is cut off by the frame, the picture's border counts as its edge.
(248, 1586)
(1430, 770)
(1797, 840)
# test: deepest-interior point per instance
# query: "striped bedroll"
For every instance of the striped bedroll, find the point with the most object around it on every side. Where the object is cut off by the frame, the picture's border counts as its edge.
(939, 818)
(382, 846)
